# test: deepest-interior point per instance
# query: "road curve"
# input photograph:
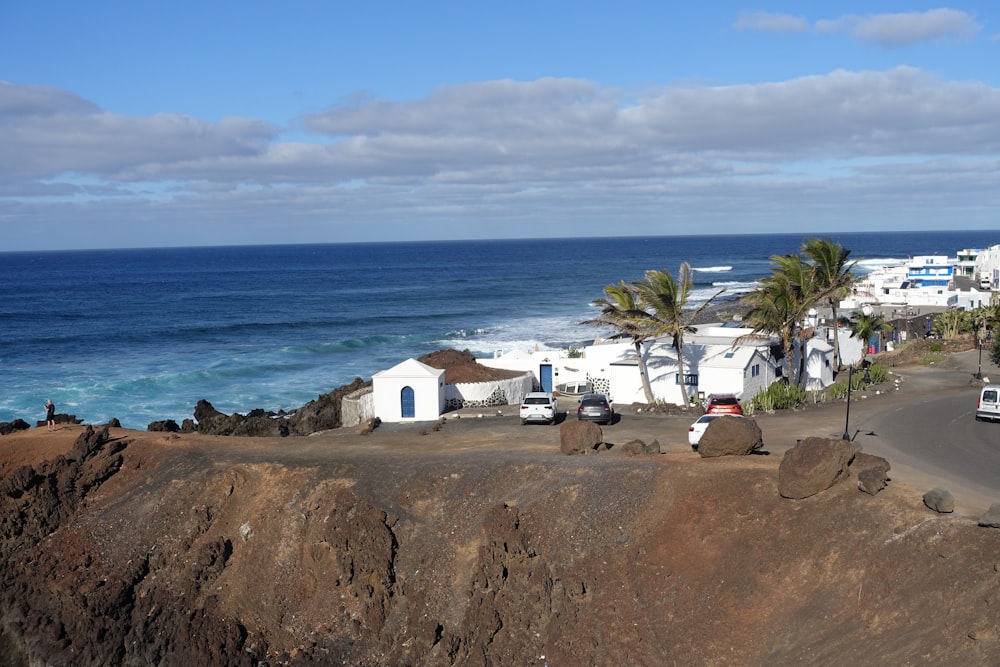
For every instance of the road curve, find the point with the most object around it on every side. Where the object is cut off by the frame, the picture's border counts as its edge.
(928, 428)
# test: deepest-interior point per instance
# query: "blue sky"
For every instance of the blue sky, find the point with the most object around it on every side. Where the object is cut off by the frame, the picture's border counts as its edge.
(130, 124)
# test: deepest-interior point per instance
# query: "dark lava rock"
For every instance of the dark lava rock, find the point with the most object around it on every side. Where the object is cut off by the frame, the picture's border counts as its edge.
(730, 436)
(14, 426)
(164, 426)
(940, 500)
(638, 447)
(576, 437)
(813, 465)
(872, 472)
(323, 414)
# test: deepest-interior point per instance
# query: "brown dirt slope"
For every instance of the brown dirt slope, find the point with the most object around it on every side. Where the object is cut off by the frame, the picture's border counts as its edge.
(474, 544)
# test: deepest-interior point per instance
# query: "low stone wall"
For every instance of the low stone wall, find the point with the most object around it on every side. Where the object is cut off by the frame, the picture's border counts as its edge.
(913, 351)
(357, 407)
(491, 394)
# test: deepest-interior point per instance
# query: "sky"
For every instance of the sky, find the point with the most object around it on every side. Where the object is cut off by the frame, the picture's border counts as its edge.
(142, 124)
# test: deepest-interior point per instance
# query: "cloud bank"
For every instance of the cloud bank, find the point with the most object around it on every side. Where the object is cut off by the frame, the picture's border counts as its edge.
(552, 157)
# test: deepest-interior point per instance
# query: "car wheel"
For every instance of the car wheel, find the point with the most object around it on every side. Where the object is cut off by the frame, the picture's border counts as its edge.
(523, 422)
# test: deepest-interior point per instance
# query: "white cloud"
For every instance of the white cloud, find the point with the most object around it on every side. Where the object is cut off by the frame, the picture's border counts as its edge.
(904, 29)
(770, 22)
(495, 155)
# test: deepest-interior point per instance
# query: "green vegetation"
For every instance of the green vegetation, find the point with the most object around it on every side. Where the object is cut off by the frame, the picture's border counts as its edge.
(780, 396)
(797, 284)
(932, 358)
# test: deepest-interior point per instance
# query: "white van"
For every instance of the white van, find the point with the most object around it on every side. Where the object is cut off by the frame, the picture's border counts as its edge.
(989, 403)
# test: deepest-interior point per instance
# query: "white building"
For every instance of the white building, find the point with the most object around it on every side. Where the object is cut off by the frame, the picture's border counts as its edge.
(409, 391)
(718, 359)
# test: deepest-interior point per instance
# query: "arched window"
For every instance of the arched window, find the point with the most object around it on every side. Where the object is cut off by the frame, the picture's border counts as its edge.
(406, 403)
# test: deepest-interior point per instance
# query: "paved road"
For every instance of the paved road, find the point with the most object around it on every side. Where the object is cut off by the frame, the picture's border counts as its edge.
(929, 429)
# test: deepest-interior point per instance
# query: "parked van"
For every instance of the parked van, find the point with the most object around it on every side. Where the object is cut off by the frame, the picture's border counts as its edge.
(989, 403)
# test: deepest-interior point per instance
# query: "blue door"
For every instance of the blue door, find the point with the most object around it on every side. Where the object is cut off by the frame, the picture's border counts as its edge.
(545, 376)
(406, 403)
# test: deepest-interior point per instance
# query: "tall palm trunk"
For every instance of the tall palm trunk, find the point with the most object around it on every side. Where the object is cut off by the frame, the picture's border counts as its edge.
(647, 389)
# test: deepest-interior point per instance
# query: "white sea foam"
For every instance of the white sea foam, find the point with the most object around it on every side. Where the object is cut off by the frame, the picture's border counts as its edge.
(712, 269)
(868, 265)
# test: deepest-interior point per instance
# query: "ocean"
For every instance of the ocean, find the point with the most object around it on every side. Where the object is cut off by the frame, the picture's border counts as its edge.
(144, 334)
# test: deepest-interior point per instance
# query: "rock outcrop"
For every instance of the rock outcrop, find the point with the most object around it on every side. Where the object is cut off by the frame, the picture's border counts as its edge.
(13, 426)
(730, 436)
(812, 466)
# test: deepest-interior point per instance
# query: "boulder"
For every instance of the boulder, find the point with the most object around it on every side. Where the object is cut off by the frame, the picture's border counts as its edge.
(576, 437)
(940, 500)
(164, 425)
(730, 436)
(992, 517)
(812, 466)
(638, 447)
(872, 472)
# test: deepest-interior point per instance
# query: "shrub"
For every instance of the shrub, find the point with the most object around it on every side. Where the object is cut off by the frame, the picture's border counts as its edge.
(935, 347)
(932, 358)
(778, 396)
(878, 373)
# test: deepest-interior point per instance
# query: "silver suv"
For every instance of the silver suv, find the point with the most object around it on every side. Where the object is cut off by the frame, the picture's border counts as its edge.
(538, 406)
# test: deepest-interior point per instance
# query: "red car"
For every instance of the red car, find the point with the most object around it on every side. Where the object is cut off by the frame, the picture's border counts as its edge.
(723, 404)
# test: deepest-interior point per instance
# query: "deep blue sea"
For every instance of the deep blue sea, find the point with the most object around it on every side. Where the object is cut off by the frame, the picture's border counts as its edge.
(143, 335)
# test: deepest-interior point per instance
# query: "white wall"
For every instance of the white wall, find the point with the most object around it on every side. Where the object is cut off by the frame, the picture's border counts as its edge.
(488, 394)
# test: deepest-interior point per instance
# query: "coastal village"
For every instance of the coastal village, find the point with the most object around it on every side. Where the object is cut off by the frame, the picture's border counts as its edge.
(726, 357)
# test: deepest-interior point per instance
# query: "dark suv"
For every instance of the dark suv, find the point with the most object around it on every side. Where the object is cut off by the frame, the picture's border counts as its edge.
(595, 408)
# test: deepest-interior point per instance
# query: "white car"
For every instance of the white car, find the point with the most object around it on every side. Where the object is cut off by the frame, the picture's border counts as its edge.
(988, 408)
(538, 406)
(697, 429)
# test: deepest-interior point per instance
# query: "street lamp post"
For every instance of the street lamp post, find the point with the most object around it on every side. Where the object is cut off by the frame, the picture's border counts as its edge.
(850, 376)
(979, 373)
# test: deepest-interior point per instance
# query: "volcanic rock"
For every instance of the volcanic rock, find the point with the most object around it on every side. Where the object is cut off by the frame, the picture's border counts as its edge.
(638, 447)
(577, 437)
(872, 472)
(730, 436)
(813, 465)
(940, 500)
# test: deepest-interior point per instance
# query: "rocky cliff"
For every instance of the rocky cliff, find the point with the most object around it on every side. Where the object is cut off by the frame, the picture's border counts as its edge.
(460, 548)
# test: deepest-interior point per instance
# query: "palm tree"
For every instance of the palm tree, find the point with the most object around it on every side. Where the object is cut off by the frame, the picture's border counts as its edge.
(864, 327)
(665, 299)
(772, 310)
(834, 277)
(621, 311)
(781, 303)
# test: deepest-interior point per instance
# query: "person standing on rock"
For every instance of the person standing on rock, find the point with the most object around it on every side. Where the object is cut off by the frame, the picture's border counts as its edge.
(50, 414)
